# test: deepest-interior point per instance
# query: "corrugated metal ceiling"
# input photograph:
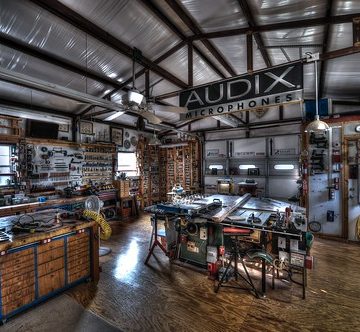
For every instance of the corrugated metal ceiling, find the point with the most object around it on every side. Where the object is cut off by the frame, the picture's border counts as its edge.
(133, 23)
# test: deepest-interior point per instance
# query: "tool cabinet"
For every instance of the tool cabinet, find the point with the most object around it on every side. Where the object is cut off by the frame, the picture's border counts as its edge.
(40, 269)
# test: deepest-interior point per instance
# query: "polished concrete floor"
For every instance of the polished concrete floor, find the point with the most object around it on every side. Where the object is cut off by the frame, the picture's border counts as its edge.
(169, 297)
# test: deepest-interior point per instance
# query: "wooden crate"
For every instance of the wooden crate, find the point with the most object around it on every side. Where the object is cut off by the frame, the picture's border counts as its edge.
(123, 187)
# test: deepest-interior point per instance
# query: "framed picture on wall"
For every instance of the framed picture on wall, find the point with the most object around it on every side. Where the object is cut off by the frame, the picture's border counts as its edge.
(86, 127)
(64, 128)
(117, 136)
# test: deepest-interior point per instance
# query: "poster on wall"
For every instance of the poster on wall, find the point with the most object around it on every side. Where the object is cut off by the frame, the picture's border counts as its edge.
(117, 136)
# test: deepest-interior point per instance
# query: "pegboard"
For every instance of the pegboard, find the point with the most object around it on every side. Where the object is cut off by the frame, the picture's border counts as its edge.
(321, 199)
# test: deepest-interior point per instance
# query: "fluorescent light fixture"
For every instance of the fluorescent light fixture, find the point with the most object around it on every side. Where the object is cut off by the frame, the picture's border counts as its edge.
(284, 166)
(247, 166)
(114, 116)
(216, 166)
(33, 115)
(228, 120)
(135, 97)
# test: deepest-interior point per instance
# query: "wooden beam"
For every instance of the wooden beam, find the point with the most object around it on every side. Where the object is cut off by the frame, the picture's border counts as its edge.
(323, 57)
(356, 31)
(278, 26)
(85, 25)
(123, 86)
(252, 24)
(249, 53)
(147, 84)
(340, 53)
(192, 25)
(157, 12)
(190, 64)
(325, 49)
(41, 54)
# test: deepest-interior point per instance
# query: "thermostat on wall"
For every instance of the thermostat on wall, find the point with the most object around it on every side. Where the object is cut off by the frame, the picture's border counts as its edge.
(357, 128)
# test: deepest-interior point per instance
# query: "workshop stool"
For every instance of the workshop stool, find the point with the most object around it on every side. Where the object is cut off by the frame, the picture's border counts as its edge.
(236, 255)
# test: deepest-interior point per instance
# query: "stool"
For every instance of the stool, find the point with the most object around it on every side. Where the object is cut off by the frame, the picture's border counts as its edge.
(236, 255)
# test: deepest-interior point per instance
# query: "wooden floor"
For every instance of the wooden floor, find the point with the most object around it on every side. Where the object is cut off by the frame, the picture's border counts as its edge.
(168, 297)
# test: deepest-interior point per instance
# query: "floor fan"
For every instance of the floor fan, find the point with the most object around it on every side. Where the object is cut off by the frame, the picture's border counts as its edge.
(93, 206)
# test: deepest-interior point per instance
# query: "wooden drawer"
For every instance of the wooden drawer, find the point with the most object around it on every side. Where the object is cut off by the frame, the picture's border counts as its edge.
(13, 256)
(78, 268)
(79, 247)
(17, 294)
(50, 267)
(80, 261)
(8, 275)
(51, 282)
(78, 275)
(50, 255)
(25, 280)
(18, 303)
(78, 253)
(12, 265)
(50, 246)
(83, 237)
(79, 244)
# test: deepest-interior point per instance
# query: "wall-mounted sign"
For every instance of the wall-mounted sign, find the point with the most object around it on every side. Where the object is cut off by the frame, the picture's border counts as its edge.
(269, 87)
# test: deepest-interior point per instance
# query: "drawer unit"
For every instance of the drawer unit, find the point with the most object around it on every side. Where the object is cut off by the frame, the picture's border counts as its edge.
(17, 272)
(33, 273)
(78, 257)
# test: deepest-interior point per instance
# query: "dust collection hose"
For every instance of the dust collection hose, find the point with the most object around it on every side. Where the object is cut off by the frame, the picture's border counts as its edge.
(105, 229)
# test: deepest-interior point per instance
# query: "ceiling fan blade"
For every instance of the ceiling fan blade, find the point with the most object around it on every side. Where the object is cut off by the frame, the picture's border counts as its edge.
(150, 117)
(114, 115)
(166, 108)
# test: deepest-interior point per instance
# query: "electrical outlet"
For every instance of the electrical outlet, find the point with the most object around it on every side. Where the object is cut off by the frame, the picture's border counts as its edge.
(203, 233)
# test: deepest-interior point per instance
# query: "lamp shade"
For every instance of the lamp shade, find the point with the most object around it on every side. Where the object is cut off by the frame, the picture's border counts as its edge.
(317, 125)
(135, 97)
(154, 141)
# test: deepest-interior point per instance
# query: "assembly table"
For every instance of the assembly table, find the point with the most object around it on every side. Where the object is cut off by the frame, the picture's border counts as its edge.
(36, 266)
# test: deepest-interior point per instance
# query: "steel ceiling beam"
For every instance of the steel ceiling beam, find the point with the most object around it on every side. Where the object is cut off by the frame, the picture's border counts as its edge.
(156, 11)
(123, 86)
(41, 54)
(325, 48)
(85, 25)
(29, 107)
(278, 26)
(323, 57)
(252, 24)
(192, 25)
(37, 84)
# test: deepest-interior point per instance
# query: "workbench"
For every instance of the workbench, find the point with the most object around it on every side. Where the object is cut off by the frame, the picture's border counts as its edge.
(37, 266)
(196, 228)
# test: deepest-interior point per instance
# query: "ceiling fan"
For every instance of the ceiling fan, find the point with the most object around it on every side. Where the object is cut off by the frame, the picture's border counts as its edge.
(134, 102)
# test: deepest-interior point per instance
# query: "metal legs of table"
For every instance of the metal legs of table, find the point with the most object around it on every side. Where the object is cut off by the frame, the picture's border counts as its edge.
(234, 258)
(156, 242)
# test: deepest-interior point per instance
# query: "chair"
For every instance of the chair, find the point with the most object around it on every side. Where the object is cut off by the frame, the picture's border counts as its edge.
(236, 255)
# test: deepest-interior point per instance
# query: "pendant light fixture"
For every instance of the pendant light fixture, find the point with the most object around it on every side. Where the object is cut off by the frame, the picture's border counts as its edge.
(316, 125)
(154, 140)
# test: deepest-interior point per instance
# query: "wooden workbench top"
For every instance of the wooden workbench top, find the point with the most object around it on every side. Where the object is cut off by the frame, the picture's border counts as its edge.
(23, 239)
(14, 209)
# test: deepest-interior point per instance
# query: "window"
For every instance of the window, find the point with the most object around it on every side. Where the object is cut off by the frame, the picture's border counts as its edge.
(127, 163)
(247, 166)
(5, 165)
(284, 167)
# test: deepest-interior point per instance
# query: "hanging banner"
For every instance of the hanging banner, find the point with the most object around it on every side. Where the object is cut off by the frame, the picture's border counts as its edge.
(265, 88)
